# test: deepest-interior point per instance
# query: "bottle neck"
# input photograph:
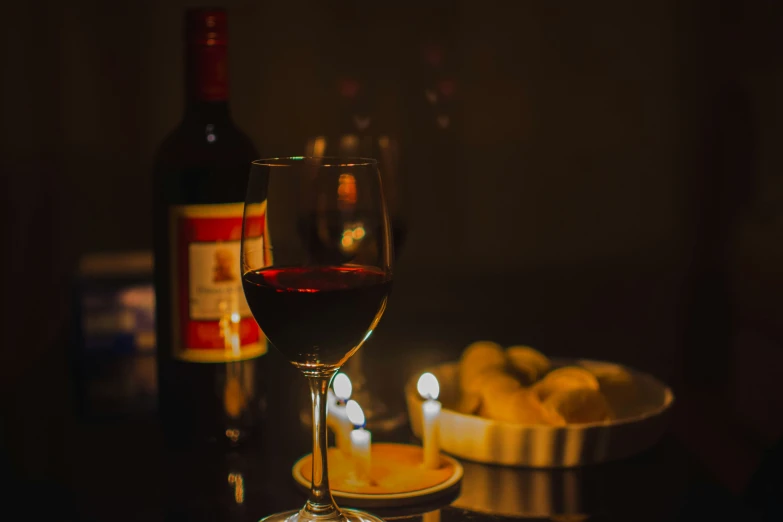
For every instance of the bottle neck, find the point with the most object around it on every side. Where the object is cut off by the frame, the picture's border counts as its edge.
(354, 111)
(199, 111)
(353, 121)
(206, 84)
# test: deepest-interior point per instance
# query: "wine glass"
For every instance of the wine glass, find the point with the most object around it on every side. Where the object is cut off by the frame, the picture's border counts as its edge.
(381, 417)
(317, 280)
(358, 134)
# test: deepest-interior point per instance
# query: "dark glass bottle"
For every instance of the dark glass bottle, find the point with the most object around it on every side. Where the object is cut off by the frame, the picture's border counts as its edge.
(358, 134)
(208, 344)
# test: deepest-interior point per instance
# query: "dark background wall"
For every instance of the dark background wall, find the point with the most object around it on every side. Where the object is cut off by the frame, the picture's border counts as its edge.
(613, 188)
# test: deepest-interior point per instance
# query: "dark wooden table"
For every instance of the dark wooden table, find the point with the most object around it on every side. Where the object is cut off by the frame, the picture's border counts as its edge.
(118, 470)
(87, 469)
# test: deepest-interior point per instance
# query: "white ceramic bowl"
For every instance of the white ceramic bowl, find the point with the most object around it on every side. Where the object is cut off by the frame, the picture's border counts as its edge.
(484, 440)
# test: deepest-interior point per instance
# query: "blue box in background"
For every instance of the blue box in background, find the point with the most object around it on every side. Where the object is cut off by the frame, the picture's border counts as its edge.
(115, 370)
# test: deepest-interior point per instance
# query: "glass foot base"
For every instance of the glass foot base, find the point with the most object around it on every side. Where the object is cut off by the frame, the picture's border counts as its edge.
(345, 515)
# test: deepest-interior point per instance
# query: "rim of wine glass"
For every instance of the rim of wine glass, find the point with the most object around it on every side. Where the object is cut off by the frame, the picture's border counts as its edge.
(322, 161)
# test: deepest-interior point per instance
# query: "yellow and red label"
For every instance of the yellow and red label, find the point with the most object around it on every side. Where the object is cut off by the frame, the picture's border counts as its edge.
(212, 321)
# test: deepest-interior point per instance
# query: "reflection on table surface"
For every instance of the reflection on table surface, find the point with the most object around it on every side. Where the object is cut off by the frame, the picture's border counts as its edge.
(122, 473)
(649, 486)
(118, 469)
(514, 493)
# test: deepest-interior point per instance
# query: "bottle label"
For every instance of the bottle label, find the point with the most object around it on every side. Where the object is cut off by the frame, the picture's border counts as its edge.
(212, 321)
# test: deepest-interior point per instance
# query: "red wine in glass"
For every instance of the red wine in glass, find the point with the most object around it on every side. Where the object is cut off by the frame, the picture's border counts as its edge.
(316, 316)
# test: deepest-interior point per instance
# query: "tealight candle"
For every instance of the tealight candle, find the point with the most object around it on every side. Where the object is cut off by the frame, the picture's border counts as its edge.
(361, 440)
(429, 389)
(336, 417)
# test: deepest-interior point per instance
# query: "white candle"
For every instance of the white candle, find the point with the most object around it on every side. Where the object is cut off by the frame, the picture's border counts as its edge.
(361, 441)
(429, 389)
(336, 417)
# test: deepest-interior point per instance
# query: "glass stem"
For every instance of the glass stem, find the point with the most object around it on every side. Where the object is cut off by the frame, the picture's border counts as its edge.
(320, 504)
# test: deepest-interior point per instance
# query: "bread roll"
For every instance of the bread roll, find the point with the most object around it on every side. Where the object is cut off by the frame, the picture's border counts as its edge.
(495, 388)
(616, 383)
(521, 406)
(565, 378)
(479, 358)
(469, 403)
(528, 363)
(580, 405)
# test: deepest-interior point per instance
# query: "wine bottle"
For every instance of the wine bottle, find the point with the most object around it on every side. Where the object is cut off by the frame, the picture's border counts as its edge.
(208, 344)
(358, 134)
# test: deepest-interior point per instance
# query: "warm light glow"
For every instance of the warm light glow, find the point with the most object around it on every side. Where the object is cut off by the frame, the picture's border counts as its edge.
(353, 233)
(432, 516)
(428, 386)
(355, 413)
(342, 387)
(346, 189)
(348, 144)
(229, 328)
(236, 480)
(319, 146)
